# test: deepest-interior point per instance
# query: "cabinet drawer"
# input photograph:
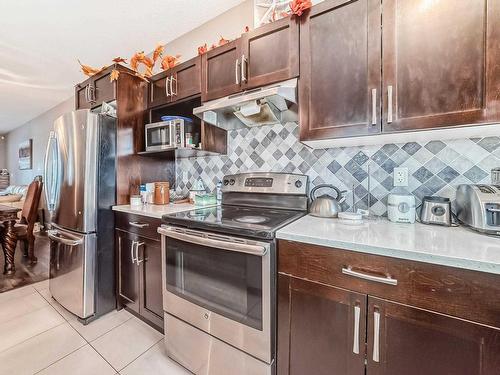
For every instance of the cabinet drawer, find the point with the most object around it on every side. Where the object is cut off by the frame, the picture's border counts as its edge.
(142, 225)
(462, 293)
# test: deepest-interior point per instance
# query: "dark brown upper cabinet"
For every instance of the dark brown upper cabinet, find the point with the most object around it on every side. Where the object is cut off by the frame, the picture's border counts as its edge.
(271, 53)
(221, 71)
(406, 340)
(180, 82)
(260, 57)
(340, 70)
(440, 63)
(97, 89)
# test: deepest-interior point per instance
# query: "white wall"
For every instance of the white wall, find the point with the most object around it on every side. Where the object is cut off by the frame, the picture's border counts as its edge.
(37, 129)
(229, 24)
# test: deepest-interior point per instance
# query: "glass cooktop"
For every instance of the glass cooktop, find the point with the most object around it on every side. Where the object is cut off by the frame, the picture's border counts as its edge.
(235, 220)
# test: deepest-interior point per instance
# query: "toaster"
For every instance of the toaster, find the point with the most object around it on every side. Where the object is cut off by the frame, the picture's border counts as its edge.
(478, 206)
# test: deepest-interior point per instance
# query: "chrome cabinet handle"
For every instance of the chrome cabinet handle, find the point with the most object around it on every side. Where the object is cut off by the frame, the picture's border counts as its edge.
(357, 314)
(374, 106)
(389, 104)
(172, 79)
(137, 244)
(87, 93)
(493, 209)
(166, 86)
(132, 252)
(243, 69)
(384, 280)
(376, 336)
(138, 225)
(236, 64)
(91, 94)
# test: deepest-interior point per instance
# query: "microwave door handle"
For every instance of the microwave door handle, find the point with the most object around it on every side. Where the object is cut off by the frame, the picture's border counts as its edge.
(206, 240)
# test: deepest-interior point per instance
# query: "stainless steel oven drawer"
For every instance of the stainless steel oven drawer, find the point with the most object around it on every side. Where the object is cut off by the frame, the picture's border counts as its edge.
(210, 356)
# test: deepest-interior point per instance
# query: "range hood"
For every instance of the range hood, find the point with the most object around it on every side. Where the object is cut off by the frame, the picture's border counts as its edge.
(266, 105)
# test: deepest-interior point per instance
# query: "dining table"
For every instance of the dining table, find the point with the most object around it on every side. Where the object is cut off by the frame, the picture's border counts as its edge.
(8, 236)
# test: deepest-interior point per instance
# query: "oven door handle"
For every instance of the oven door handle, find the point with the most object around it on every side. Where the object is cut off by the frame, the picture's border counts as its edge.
(205, 240)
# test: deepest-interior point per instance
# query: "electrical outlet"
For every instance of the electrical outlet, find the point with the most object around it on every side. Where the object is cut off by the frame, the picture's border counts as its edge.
(401, 176)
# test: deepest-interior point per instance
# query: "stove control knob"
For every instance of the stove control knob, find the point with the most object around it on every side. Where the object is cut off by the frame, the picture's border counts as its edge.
(231, 182)
(298, 184)
(226, 182)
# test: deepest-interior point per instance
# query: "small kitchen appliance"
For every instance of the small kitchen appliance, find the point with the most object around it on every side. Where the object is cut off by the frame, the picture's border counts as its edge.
(436, 210)
(219, 274)
(478, 206)
(165, 135)
(326, 205)
(401, 208)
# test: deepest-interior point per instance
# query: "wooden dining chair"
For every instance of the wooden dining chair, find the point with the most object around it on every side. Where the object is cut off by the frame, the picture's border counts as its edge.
(24, 227)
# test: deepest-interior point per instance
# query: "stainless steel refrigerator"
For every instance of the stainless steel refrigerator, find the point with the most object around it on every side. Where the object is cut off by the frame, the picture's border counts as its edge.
(80, 189)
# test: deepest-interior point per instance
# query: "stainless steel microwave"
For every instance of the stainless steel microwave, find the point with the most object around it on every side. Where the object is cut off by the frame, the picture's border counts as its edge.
(164, 135)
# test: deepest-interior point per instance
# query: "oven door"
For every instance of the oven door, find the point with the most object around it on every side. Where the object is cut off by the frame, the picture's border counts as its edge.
(159, 136)
(221, 285)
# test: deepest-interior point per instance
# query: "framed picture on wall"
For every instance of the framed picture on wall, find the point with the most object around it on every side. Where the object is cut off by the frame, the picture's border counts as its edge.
(25, 154)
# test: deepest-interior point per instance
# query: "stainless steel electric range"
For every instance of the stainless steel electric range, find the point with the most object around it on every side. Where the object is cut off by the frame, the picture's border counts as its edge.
(219, 275)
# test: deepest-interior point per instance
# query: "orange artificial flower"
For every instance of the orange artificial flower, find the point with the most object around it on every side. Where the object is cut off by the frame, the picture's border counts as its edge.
(298, 7)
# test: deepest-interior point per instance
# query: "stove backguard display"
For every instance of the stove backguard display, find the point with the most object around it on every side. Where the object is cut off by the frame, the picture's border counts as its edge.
(259, 182)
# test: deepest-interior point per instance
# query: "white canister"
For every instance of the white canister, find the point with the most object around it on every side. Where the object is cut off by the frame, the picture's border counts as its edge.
(135, 200)
(401, 208)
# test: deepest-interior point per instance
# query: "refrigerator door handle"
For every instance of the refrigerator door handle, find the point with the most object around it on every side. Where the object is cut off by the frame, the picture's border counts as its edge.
(51, 171)
(55, 235)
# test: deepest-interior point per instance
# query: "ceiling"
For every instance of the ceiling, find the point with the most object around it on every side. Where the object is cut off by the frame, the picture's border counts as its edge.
(40, 42)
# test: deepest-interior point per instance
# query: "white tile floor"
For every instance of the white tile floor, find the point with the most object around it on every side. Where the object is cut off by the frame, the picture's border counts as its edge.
(37, 336)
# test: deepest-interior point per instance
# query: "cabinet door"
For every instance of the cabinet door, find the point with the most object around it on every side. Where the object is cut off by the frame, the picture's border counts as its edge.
(81, 96)
(158, 90)
(186, 79)
(271, 53)
(128, 271)
(440, 62)
(327, 329)
(407, 340)
(104, 89)
(221, 71)
(151, 284)
(340, 70)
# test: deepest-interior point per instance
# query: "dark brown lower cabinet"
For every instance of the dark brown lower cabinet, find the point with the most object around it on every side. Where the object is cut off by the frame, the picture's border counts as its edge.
(330, 298)
(413, 341)
(327, 329)
(139, 276)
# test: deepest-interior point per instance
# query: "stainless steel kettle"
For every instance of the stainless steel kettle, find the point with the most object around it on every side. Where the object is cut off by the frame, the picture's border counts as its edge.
(326, 205)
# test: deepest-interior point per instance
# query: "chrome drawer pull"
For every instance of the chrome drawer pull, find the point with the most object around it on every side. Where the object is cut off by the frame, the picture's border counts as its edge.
(376, 336)
(138, 225)
(389, 104)
(355, 345)
(378, 279)
(374, 106)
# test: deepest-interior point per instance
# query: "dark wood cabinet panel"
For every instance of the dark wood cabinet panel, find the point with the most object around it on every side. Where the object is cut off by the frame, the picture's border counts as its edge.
(221, 71)
(323, 339)
(128, 273)
(81, 97)
(139, 275)
(271, 52)
(412, 341)
(440, 63)
(340, 70)
(462, 293)
(104, 89)
(180, 82)
(186, 79)
(151, 290)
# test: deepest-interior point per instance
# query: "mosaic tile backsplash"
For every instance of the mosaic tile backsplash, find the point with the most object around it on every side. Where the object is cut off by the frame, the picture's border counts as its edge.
(435, 168)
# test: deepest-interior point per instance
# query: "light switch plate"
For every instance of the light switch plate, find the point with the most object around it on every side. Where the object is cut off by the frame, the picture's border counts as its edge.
(401, 176)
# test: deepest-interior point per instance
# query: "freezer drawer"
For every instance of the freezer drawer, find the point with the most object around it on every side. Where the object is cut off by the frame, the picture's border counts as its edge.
(72, 270)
